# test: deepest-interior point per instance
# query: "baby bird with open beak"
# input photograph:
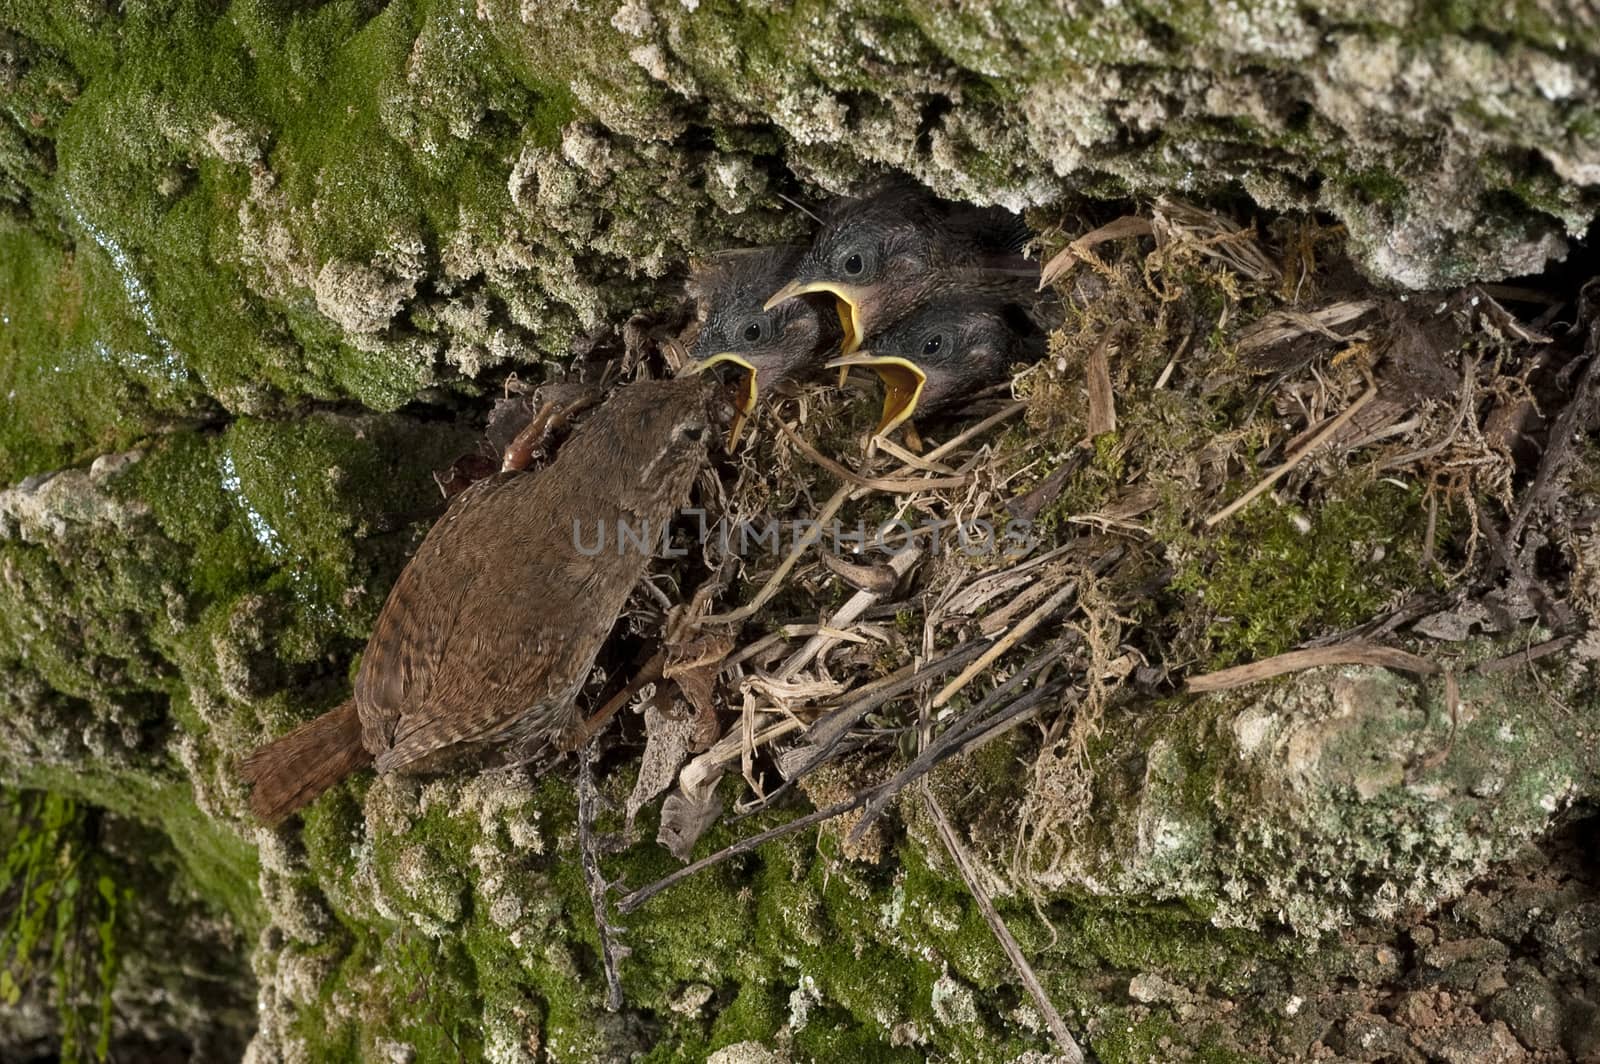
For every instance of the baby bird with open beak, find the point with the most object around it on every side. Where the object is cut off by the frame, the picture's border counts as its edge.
(883, 255)
(776, 345)
(944, 350)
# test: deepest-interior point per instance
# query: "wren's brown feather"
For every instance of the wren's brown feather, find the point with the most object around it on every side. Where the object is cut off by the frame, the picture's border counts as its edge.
(494, 625)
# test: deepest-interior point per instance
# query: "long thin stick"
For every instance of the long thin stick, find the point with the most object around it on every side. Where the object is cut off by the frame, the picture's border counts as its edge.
(950, 445)
(846, 615)
(650, 673)
(1005, 643)
(1525, 657)
(775, 581)
(910, 458)
(894, 486)
(952, 740)
(1296, 660)
(1299, 456)
(975, 431)
(829, 731)
(611, 951)
(1008, 943)
(1564, 436)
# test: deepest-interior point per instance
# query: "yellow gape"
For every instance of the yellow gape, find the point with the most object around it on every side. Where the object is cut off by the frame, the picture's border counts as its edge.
(902, 380)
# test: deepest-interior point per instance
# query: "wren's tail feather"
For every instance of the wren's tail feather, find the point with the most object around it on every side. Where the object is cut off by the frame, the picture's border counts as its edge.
(292, 771)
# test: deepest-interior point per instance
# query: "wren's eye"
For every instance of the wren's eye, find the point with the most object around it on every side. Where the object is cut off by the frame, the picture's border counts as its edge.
(861, 262)
(694, 433)
(756, 330)
(933, 344)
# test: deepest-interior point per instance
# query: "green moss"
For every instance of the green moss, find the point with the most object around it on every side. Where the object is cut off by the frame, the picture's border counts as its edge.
(1378, 186)
(754, 1013)
(1273, 577)
(80, 373)
(1131, 1038)
(218, 865)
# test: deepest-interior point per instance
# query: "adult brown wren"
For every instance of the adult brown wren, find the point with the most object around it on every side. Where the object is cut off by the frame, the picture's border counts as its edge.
(495, 623)
(775, 346)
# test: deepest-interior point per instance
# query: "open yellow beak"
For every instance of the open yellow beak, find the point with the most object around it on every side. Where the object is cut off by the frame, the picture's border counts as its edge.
(902, 380)
(847, 301)
(744, 402)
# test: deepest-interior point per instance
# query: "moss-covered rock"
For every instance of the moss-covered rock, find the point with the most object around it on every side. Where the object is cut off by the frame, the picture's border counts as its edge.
(363, 200)
(1341, 794)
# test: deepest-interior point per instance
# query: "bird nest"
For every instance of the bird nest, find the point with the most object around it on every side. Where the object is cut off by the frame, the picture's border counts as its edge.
(851, 612)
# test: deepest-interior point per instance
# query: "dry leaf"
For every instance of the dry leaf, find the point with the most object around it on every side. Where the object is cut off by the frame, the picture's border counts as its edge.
(666, 748)
(694, 664)
(684, 819)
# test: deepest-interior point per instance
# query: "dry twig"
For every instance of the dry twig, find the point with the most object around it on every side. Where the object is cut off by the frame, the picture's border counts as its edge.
(775, 581)
(630, 902)
(892, 485)
(1296, 660)
(1008, 943)
(1299, 456)
(1079, 250)
(611, 951)
(846, 615)
(1005, 643)
(1524, 658)
(953, 739)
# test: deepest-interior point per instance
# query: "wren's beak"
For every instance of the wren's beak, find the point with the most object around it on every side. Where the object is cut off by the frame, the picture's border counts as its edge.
(903, 381)
(744, 402)
(848, 300)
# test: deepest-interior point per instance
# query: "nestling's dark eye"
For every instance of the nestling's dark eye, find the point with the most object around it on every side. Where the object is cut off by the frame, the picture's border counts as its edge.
(932, 344)
(752, 332)
(853, 265)
(693, 433)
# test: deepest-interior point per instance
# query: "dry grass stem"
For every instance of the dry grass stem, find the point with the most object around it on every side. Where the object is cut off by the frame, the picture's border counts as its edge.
(775, 581)
(1005, 643)
(846, 615)
(1008, 943)
(612, 952)
(1079, 250)
(1297, 660)
(1299, 456)
(1523, 658)
(630, 902)
(843, 472)
(1277, 328)
(908, 458)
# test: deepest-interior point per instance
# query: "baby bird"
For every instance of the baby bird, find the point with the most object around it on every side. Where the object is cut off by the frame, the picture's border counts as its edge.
(775, 345)
(493, 626)
(894, 250)
(945, 350)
